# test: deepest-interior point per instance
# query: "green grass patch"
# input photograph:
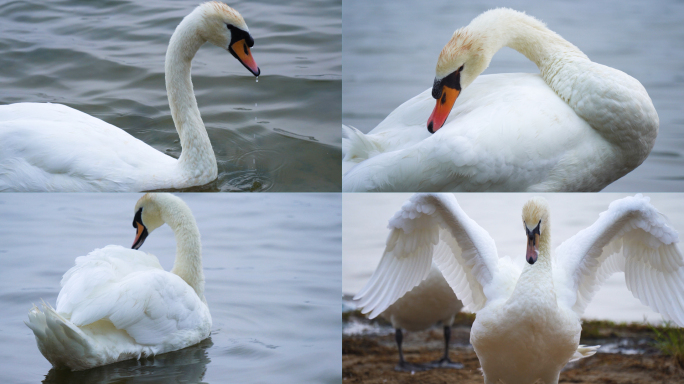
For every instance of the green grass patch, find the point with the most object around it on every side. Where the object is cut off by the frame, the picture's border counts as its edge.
(670, 341)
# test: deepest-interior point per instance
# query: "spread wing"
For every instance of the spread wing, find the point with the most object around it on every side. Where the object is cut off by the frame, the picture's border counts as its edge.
(434, 227)
(631, 236)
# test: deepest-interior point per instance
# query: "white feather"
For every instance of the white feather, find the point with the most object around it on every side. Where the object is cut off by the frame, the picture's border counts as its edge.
(117, 303)
(524, 318)
(52, 147)
(576, 126)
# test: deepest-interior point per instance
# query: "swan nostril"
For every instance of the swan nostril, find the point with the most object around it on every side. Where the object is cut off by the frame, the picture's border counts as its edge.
(443, 100)
(246, 49)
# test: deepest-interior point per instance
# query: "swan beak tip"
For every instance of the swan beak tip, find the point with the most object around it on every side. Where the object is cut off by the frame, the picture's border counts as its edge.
(242, 52)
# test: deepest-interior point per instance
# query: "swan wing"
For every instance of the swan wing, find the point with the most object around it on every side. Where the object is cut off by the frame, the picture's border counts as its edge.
(131, 290)
(52, 147)
(434, 227)
(631, 236)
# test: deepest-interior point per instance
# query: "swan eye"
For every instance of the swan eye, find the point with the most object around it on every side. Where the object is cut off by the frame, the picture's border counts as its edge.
(460, 69)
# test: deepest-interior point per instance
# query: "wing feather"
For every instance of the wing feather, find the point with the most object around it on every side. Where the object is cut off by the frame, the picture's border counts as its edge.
(131, 290)
(433, 227)
(631, 236)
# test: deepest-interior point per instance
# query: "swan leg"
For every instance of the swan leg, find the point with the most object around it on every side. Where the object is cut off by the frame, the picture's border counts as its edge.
(445, 361)
(403, 366)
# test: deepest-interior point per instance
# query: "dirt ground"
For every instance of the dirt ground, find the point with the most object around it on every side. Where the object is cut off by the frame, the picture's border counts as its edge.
(372, 358)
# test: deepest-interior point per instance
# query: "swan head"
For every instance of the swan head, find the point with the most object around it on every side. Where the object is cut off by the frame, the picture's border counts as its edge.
(459, 64)
(148, 215)
(536, 222)
(462, 59)
(224, 27)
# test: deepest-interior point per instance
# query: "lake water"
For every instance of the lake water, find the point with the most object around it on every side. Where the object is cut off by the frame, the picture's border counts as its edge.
(364, 232)
(106, 58)
(390, 50)
(273, 281)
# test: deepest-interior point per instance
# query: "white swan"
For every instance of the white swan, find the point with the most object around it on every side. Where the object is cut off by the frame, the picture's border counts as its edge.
(51, 147)
(527, 325)
(430, 302)
(576, 126)
(118, 303)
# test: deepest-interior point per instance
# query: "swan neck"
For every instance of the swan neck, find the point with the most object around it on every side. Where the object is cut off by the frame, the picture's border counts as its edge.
(188, 263)
(537, 279)
(197, 155)
(527, 35)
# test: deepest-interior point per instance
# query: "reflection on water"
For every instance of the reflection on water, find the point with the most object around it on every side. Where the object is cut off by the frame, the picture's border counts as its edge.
(187, 365)
(390, 52)
(106, 59)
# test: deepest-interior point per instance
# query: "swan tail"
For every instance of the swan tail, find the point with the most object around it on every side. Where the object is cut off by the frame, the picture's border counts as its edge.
(584, 351)
(61, 342)
(356, 147)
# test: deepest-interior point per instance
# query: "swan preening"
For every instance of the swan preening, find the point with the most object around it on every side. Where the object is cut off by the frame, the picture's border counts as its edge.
(576, 126)
(118, 303)
(430, 302)
(527, 324)
(52, 147)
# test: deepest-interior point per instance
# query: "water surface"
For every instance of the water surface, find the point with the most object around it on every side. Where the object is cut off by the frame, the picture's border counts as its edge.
(364, 232)
(390, 50)
(272, 268)
(106, 58)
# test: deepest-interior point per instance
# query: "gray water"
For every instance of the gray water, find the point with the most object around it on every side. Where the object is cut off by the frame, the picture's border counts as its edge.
(273, 282)
(364, 232)
(106, 58)
(390, 49)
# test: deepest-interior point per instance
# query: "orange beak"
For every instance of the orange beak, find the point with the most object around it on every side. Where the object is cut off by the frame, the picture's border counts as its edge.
(532, 248)
(140, 235)
(241, 52)
(443, 108)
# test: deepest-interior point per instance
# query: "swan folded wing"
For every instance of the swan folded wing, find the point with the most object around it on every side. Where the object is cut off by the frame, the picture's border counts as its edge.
(631, 236)
(469, 260)
(129, 289)
(54, 147)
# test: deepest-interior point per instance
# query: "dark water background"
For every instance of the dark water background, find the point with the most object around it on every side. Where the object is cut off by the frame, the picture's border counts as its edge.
(273, 281)
(106, 58)
(390, 50)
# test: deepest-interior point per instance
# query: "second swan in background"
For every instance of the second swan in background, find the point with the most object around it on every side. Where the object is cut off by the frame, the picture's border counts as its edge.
(576, 126)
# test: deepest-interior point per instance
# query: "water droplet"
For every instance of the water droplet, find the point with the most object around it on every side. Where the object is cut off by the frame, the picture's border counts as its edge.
(254, 161)
(257, 79)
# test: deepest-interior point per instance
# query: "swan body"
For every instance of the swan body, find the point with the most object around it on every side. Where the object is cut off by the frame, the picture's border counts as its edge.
(117, 303)
(430, 302)
(52, 147)
(576, 126)
(527, 324)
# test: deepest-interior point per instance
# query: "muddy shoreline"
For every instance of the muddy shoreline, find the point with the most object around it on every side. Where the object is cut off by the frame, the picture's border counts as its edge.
(627, 355)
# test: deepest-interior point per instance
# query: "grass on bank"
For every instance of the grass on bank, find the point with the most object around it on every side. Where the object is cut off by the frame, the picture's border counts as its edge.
(670, 341)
